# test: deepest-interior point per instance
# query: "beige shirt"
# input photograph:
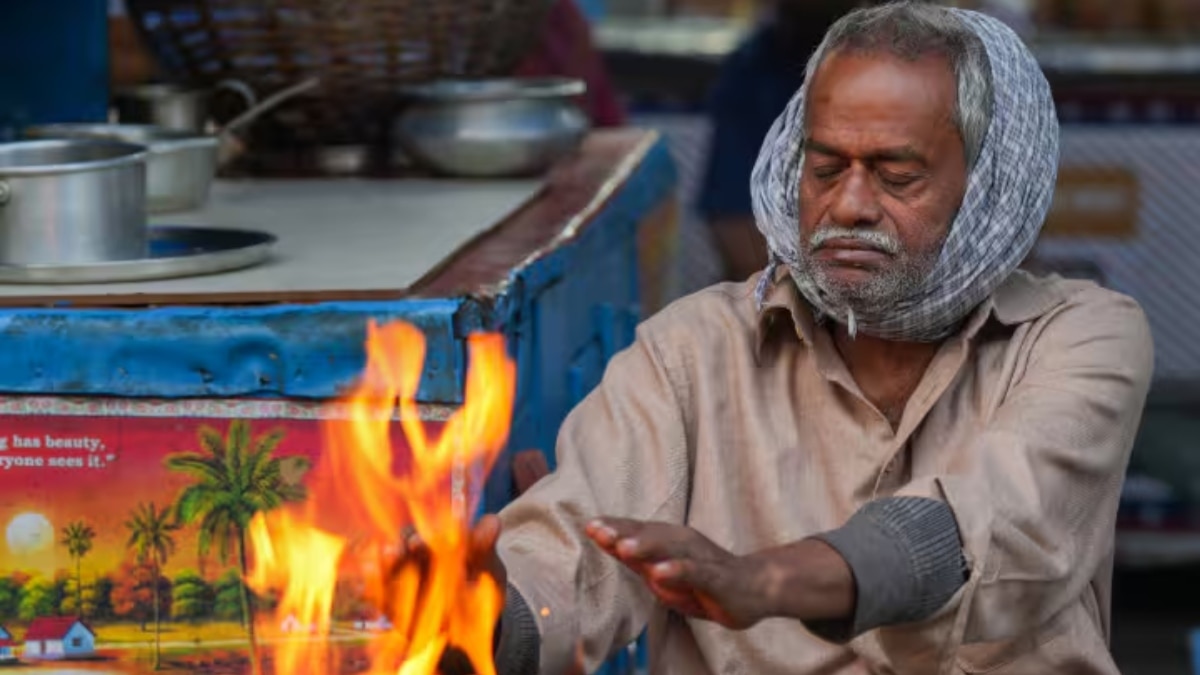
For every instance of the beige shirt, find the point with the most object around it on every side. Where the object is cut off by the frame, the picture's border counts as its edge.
(748, 427)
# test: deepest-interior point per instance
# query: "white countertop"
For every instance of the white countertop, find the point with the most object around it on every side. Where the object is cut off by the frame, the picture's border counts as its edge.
(334, 235)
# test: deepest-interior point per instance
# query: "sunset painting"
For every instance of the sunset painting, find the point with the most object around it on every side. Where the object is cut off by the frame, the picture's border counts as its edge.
(125, 548)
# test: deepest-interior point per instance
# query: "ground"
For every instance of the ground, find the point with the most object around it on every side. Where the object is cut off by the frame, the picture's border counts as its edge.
(182, 638)
(118, 634)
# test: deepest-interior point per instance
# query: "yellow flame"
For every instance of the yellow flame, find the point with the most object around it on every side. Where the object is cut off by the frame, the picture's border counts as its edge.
(359, 502)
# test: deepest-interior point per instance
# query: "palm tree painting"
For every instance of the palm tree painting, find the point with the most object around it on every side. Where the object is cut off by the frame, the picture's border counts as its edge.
(77, 538)
(235, 476)
(150, 537)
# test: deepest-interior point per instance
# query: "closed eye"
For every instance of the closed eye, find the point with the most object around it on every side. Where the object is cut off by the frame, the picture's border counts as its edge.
(897, 180)
(826, 172)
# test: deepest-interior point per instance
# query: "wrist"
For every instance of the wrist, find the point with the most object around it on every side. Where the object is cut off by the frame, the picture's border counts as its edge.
(768, 580)
(806, 581)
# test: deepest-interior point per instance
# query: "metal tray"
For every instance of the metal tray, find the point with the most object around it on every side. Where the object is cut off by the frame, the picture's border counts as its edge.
(175, 251)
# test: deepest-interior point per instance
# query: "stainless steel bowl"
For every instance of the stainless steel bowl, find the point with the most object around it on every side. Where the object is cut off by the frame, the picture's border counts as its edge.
(180, 168)
(504, 127)
(72, 201)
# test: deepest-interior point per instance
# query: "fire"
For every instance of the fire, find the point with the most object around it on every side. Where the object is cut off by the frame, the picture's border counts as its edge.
(365, 492)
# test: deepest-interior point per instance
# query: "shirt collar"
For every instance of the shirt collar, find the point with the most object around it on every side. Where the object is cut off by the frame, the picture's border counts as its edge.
(1020, 299)
(783, 305)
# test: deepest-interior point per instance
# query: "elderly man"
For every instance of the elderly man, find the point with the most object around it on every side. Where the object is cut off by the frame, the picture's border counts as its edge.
(891, 452)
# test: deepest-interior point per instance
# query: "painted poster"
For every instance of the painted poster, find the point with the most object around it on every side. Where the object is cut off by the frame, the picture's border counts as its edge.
(122, 551)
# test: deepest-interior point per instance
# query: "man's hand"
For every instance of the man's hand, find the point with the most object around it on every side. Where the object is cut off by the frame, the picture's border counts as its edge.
(688, 572)
(481, 557)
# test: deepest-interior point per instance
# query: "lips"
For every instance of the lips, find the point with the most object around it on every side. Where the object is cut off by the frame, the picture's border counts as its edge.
(852, 252)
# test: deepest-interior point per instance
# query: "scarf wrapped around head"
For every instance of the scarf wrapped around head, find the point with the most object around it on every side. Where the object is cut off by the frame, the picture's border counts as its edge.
(1007, 196)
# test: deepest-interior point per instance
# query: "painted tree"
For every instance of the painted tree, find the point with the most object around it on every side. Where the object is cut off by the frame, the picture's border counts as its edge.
(151, 539)
(77, 538)
(97, 598)
(72, 599)
(10, 598)
(37, 599)
(191, 597)
(227, 596)
(235, 476)
(132, 596)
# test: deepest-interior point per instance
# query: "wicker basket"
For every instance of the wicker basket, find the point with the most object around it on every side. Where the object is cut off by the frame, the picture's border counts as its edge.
(362, 51)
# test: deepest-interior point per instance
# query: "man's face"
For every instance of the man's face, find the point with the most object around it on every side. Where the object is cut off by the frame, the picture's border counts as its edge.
(884, 174)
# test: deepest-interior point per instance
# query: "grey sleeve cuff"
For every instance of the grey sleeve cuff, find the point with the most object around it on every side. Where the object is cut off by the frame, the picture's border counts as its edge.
(907, 560)
(519, 643)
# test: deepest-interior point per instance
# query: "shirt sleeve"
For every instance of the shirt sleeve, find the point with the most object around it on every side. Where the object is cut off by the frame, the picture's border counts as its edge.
(621, 452)
(1035, 498)
(906, 558)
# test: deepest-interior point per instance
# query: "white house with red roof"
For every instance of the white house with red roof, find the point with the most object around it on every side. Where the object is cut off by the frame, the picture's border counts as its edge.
(59, 637)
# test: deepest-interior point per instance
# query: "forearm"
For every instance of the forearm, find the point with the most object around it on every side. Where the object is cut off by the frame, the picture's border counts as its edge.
(896, 560)
(807, 580)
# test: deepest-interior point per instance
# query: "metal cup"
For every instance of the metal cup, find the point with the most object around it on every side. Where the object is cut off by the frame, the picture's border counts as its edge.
(72, 201)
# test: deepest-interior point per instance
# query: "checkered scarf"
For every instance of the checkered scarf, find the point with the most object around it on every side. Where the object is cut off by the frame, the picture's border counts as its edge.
(1007, 196)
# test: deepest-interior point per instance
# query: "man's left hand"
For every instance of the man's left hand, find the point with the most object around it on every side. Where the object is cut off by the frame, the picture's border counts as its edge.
(688, 572)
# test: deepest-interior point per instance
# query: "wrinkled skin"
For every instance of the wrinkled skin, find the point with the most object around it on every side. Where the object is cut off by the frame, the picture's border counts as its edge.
(884, 161)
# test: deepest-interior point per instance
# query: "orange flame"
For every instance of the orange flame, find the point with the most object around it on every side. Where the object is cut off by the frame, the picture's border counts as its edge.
(362, 496)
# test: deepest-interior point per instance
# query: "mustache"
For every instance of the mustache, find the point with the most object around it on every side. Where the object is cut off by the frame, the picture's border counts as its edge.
(880, 241)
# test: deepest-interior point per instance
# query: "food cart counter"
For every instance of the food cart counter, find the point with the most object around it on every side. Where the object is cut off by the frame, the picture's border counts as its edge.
(100, 384)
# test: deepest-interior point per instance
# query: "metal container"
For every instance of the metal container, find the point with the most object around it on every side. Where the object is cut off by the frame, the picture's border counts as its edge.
(172, 106)
(504, 127)
(181, 164)
(72, 201)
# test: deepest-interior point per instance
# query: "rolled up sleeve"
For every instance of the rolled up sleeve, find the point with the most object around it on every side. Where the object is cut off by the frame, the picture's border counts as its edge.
(622, 452)
(1035, 498)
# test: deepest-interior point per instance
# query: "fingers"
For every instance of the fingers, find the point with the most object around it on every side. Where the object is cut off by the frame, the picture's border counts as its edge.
(668, 572)
(528, 467)
(483, 557)
(407, 541)
(485, 534)
(683, 574)
(410, 541)
(603, 534)
(635, 541)
(617, 535)
(411, 550)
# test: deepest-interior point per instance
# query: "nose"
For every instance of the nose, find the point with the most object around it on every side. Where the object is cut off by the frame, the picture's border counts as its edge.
(855, 203)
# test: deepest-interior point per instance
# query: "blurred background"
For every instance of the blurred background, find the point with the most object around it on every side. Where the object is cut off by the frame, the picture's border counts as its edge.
(711, 75)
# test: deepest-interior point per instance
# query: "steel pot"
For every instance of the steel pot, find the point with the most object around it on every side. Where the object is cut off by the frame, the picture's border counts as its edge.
(72, 201)
(181, 164)
(503, 127)
(173, 106)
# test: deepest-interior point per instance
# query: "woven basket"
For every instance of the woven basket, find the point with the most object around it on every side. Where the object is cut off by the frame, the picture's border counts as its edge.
(362, 51)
